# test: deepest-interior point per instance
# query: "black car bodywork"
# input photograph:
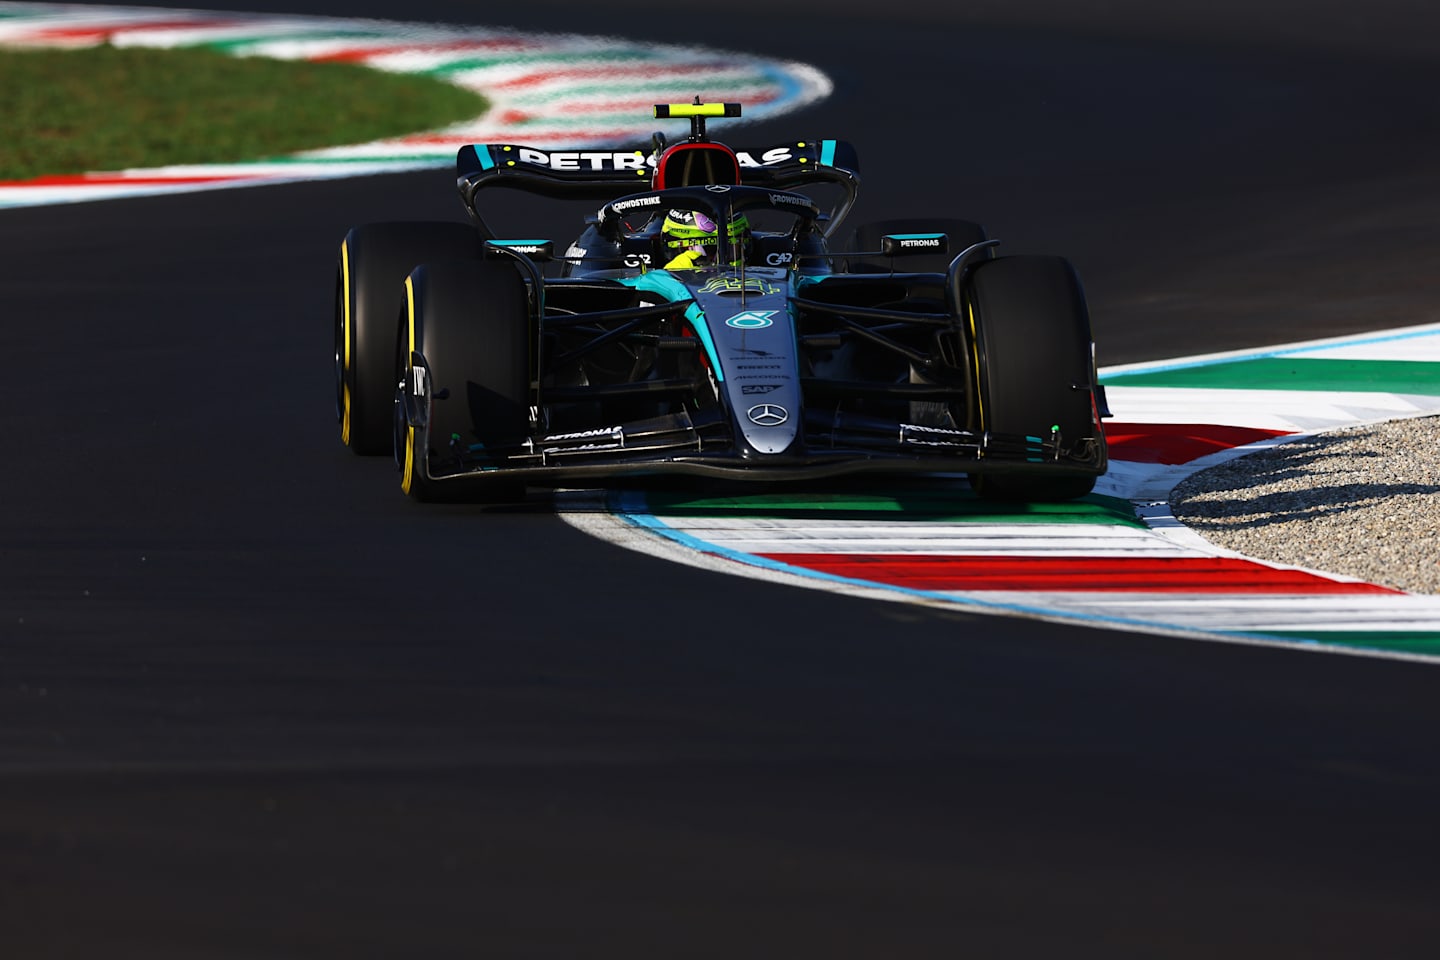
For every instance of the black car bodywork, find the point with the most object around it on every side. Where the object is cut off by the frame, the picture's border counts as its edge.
(792, 356)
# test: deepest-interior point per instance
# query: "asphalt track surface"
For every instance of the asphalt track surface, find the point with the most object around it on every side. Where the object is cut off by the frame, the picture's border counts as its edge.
(254, 704)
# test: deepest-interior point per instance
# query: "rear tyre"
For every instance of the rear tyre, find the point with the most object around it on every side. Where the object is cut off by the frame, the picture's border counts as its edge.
(470, 321)
(369, 285)
(962, 234)
(1036, 365)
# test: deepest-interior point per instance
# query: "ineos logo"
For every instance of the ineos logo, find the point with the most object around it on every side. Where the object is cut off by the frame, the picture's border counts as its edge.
(767, 415)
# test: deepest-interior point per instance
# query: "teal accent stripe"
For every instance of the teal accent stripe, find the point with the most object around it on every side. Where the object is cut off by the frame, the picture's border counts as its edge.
(659, 281)
(827, 152)
(697, 320)
(487, 162)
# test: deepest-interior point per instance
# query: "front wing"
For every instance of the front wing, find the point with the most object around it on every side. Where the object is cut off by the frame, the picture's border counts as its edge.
(693, 445)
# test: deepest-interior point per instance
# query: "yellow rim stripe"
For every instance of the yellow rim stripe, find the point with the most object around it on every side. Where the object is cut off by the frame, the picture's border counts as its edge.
(975, 352)
(345, 414)
(345, 335)
(408, 474)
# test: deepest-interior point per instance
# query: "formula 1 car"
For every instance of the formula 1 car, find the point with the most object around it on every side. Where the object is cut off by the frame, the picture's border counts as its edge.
(708, 324)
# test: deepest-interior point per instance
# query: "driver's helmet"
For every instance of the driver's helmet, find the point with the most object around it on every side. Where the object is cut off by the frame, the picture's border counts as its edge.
(691, 239)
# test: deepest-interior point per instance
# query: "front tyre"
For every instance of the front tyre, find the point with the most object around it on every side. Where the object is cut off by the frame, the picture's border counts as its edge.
(471, 324)
(1035, 363)
(369, 284)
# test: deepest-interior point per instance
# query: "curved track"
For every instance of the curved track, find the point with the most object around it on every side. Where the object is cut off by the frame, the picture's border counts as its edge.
(253, 703)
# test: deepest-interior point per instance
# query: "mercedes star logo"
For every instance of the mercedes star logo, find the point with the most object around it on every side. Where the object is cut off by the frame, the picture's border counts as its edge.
(767, 415)
(717, 188)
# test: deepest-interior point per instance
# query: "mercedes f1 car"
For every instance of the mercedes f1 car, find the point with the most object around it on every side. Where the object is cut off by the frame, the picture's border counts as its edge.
(707, 321)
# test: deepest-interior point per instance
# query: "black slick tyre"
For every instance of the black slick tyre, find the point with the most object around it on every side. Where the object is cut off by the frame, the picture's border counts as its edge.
(369, 285)
(961, 234)
(470, 322)
(1036, 369)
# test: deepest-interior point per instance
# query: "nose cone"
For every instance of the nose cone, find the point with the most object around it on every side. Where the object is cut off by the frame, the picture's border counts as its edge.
(749, 320)
(770, 426)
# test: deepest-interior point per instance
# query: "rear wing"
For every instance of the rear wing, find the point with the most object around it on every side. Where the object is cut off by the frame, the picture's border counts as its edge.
(608, 174)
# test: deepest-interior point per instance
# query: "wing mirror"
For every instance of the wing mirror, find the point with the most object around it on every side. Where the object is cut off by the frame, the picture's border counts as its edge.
(540, 251)
(907, 244)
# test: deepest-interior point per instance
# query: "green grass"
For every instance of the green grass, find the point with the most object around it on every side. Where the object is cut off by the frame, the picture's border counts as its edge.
(108, 108)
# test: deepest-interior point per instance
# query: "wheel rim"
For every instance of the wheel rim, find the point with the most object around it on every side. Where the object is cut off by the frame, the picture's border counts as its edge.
(342, 338)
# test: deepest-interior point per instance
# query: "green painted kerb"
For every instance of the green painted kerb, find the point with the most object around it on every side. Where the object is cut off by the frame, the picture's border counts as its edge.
(1286, 373)
(1426, 642)
(239, 42)
(960, 506)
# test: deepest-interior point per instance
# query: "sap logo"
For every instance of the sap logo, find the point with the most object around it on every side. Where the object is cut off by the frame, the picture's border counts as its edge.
(750, 388)
(633, 160)
(778, 259)
(768, 158)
